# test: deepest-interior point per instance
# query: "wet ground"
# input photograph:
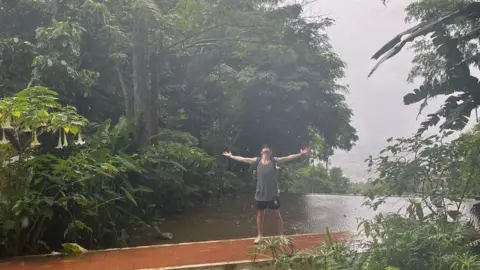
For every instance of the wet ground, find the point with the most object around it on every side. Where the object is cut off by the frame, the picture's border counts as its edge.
(235, 218)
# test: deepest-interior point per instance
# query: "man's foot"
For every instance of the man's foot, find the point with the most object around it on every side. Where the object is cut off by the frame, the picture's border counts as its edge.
(257, 240)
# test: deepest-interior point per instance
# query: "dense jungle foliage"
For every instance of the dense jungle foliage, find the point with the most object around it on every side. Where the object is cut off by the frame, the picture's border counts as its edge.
(439, 230)
(115, 112)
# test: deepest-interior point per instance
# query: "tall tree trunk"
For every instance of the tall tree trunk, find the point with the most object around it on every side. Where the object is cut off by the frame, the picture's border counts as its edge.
(127, 93)
(155, 63)
(141, 82)
(327, 162)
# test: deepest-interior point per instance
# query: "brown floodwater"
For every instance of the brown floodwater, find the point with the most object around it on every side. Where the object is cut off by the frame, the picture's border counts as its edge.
(232, 218)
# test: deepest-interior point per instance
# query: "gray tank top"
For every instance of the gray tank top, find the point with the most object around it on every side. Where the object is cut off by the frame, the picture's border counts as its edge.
(267, 187)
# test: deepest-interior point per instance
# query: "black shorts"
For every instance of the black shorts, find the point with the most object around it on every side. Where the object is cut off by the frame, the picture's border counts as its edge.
(272, 205)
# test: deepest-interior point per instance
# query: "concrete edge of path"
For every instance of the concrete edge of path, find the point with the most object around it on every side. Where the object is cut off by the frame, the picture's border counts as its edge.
(245, 264)
(212, 255)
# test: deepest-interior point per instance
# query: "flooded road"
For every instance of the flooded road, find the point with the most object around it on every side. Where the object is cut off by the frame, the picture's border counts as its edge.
(235, 218)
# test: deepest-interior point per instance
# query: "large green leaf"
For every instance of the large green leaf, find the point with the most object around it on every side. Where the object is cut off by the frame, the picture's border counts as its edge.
(144, 189)
(74, 248)
(129, 196)
(417, 95)
(128, 162)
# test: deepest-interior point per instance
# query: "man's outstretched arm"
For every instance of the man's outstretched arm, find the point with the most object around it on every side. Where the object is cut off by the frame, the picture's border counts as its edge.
(293, 157)
(241, 159)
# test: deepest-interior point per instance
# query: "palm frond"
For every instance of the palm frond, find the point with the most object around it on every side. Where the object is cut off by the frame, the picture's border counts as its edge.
(395, 45)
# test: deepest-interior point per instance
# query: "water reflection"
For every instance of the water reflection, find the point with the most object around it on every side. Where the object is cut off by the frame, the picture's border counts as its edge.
(235, 218)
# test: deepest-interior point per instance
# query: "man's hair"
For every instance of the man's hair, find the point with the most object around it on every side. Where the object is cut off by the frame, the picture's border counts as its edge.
(266, 146)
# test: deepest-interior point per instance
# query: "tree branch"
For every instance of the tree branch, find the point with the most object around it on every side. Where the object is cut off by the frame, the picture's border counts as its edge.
(205, 31)
(193, 35)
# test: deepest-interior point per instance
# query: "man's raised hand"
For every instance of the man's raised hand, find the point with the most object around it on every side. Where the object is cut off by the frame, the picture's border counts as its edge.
(304, 151)
(227, 154)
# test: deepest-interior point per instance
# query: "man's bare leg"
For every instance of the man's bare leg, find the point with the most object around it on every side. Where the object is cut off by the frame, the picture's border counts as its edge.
(278, 218)
(260, 218)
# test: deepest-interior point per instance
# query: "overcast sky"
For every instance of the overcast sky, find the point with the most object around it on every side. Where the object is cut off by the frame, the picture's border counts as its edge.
(361, 28)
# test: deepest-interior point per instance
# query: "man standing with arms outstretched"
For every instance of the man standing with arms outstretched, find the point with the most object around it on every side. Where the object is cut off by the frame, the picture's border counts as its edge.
(266, 195)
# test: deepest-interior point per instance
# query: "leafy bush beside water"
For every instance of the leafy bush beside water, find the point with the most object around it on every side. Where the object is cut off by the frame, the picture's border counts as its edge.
(86, 196)
(395, 242)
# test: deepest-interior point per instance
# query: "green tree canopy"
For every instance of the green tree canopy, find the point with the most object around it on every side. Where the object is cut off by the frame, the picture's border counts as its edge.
(251, 70)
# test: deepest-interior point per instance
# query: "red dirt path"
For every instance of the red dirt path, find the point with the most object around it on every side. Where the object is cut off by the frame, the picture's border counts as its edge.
(158, 257)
